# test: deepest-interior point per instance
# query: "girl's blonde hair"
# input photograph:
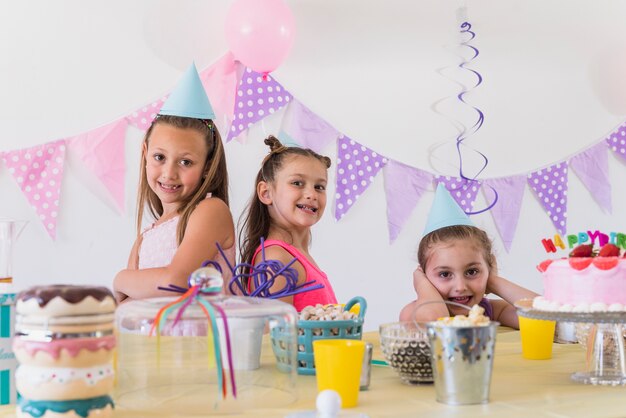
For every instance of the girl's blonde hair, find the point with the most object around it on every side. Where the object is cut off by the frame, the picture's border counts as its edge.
(256, 221)
(214, 180)
(453, 233)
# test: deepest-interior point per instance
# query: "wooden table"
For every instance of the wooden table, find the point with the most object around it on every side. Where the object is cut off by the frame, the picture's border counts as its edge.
(519, 388)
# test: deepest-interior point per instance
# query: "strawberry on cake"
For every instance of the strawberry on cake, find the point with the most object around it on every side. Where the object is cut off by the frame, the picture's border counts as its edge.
(589, 280)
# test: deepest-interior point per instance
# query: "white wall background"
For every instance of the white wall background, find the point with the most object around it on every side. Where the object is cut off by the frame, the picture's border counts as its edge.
(367, 67)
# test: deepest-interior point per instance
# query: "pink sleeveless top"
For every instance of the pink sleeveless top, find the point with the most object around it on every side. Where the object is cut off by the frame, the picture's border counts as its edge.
(159, 244)
(324, 295)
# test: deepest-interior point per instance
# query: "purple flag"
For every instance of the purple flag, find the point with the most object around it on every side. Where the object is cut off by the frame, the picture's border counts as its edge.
(617, 141)
(550, 188)
(308, 129)
(356, 168)
(256, 99)
(507, 209)
(462, 191)
(592, 167)
(404, 187)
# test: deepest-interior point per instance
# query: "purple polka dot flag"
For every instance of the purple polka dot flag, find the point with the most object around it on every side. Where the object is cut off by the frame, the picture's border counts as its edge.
(38, 172)
(617, 141)
(463, 191)
(550, 188)
(356, 168)
(142, 118)
(256, 99)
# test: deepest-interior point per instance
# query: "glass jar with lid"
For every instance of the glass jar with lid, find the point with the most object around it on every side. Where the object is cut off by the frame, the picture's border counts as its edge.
(177, 370)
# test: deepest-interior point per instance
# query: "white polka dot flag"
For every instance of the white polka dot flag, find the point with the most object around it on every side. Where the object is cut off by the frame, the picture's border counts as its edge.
(142, 118)
(357, 166)
(592, 168)
(617, 141)
(550, 188)
(38, 171)
(462, 191)
(256, 99)
(404, 187)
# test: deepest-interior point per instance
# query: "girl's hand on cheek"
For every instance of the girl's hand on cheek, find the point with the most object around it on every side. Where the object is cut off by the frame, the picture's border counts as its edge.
(418, 276)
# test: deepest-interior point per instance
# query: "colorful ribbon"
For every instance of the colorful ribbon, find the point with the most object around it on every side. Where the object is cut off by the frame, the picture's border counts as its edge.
(202, 282)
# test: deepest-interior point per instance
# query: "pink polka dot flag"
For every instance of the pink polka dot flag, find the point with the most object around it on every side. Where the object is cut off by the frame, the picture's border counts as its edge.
(256, 99)
(38, 171)
(142, 118)
(550, 188)
(357, 166)
(462, 191)
(617, 141)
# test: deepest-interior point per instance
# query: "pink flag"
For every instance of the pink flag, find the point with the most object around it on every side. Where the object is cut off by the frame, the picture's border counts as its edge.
(142, 118)
(404, 187)
(38, 171)
(506, 211)
(356, 168)
(101, 152)
(592, 167)
(220, 81)
(463, 191)
(550, 188)
(308, 129)
(256, 99)
(617, 141)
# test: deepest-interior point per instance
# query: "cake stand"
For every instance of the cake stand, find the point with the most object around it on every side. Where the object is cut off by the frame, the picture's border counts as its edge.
(605, 360)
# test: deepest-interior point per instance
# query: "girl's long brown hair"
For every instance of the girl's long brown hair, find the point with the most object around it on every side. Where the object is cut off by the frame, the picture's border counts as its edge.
(255, 221)
(215, 180)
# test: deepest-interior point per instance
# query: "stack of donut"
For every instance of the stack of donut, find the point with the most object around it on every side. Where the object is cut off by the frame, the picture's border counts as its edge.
(64, 343)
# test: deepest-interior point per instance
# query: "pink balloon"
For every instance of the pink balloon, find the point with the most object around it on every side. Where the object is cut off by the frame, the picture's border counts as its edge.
(260, 33)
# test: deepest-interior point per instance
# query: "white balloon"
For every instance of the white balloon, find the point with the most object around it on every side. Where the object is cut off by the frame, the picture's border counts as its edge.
(181, 32)
(607, 72)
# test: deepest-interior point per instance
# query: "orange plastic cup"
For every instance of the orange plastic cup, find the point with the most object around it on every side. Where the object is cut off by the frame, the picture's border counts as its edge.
(338, 365)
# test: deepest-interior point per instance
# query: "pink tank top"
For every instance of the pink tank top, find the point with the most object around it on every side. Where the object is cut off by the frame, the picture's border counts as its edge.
(159, 244)
(324, 295)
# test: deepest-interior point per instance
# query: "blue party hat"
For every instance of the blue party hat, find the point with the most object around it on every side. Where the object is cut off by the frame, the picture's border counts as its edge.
(189, 98)
(445, 212)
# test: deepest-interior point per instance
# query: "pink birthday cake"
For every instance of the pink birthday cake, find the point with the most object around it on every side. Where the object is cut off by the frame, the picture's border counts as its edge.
(588, 281)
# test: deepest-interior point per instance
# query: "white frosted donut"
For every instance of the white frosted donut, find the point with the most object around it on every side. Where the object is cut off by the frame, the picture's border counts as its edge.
(63, 383)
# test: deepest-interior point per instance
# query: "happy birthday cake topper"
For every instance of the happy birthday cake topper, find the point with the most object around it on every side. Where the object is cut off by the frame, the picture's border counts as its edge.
(594, 238)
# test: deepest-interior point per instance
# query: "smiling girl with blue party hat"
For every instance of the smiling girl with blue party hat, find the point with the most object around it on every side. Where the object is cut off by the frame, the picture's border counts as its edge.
(456, 264)
(184, 186)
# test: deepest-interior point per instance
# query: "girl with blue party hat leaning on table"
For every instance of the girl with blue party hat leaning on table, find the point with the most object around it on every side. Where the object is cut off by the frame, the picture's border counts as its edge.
(289, 198)
(184, 185)
(456, 264)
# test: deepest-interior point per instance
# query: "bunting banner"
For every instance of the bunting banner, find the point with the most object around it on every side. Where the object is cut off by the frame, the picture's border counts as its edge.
(38, 172)
(256, 98)
(462, 190)
(506, 212)
(241, 98)
(617, 141)
(404, 187)
(102, 153)
(357, 166)
(308, 129)
(550, 188)
(592, 168)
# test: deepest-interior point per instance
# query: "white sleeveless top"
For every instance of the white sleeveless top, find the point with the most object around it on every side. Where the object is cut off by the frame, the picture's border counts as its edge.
(159, 244)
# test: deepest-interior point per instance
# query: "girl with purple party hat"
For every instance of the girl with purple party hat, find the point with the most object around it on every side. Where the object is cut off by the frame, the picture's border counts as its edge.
(184, 186)
(289, 198)
(456, 264)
